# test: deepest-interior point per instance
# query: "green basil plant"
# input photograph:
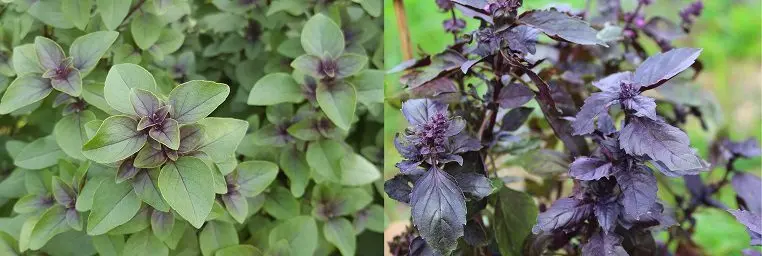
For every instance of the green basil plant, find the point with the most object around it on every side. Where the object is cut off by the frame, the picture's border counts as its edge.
(190, 127)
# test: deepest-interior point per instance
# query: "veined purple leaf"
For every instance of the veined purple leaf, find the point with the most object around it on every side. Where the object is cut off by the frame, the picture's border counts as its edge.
(749, 188)
(594, 105)
(604, 244)
(145, 103)
(63, 193)
(190, 137)
(656, 218)
(660, 28)
(236, 205)
(638, 190)
(642, 106)
(748, 148)
(661, 142)
(462, 143)
(126, 171)
(587, 168)
(513, 120)
(753, 223)
(49, 52)
(167, 133)
(419, 247)
(613, 82)
(150, 156)
(470, 178)
(659, 68)
(522, 38)
(162, 224)
(71, 84)
(607, 215)
(74, 219)
(514, 95)
(398, 188)
(605, 123)
(563, 213)
(418, 111)
(438, 210)
(558, 25)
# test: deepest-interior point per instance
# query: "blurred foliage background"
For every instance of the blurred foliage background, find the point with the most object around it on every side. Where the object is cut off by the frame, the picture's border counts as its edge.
(730, 32)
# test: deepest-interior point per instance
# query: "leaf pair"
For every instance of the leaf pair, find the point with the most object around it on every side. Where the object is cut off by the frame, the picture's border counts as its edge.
(43, 66)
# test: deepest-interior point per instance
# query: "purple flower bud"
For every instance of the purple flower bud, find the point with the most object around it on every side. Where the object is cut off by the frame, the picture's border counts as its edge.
(444, 4)
(454, 25)
(640, 22)
(693, 10)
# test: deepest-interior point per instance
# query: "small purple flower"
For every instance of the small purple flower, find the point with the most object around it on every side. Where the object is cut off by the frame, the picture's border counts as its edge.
(444, 4)
(454, 25)
(434, 136)
(688, 13)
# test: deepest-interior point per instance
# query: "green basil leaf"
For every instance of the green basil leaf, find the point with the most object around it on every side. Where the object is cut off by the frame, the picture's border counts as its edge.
(167, 133)
(71, 85)
(144, 243)
(41, 153)
(145, 29)
(322, 37)
(49, 12)
(240, 249)
(194, 100)
(49, 53)
(120, 80)
(77, 12)
(87, 50)
(274, 89)
(237, 205)
(109, 245)
(295, 167)
(113, 12)
(146, 188)
(25, 60)
(308, 64)
(139, 222)
(222, 136)
(51, 223)
(301, 233)
(338, 101)
(324, 158)
(185, 186)
(116, 139)
(217, 235)
(162, 224)
(85, 198)
(150, 156)
(253, 177)
(70, 133)
(280, 204)
(25, 90)
(358, 171)
(349, 64)
(370, 86)
(113, 205)
(340, 233)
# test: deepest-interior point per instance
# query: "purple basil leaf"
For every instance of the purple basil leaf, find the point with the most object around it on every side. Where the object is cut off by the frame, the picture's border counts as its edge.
(49, 52)
(613, 82)
(126, 171)
(144, 123)
(473, 184)
(559, 25)
(410, 167)
(448, 158)
(661, 142)
(405, 147)
(638, 190)
(642, 106)
(475, 234)
(419, 247)
(462, 143)
(695, 186)
(437, 88)
(70, 84)
(753, 223)
(398, 188)
(662, 29)
(236, 205)
(751, 252)
(63, 193)
(604, 244)
(605, 123)
(587, 168)
(167, 133)
(74, 219)
(594, 105)
(659, 68)
(515, 118)
(162, 223)
(607, 215)
(150, 156)
(562, 214)
(190, 137)
(609, 9)
(522, 39)
(438, 210)
(749, 188)
(468, 64)
(419, 111)
(748, 148)
(455, 125)
(514, 95)
(145, 103)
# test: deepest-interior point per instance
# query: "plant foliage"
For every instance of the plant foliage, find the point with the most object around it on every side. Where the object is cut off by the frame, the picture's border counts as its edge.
(181, 127)
(603, 128)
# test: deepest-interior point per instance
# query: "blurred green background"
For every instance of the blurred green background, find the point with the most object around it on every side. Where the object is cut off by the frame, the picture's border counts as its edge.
(729, 32)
